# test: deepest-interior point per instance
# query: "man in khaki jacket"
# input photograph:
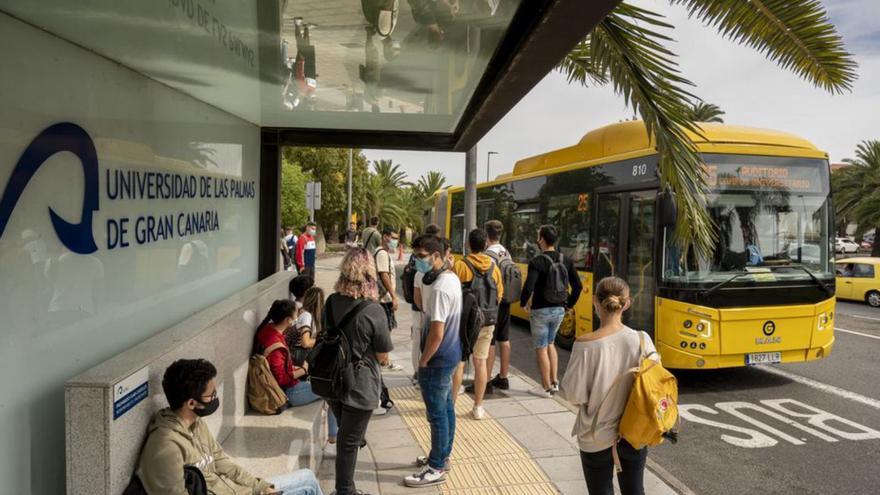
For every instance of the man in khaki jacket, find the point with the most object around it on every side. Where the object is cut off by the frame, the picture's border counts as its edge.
(178, 437)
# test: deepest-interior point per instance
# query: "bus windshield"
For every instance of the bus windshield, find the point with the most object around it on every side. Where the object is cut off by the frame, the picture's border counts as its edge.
(772, 218)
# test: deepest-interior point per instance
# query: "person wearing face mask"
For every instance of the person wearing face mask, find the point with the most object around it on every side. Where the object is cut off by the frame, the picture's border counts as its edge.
(290, 377)
(387, 274)
(178, 437)
(441, 354)
(306, 250)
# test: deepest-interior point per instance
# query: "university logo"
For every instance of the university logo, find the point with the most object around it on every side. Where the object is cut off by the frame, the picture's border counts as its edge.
(65, 136)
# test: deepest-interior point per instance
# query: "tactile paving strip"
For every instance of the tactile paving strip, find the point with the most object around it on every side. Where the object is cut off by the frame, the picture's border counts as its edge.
(486, 460)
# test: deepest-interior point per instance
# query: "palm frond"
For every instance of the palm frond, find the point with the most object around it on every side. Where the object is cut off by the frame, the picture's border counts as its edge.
(795, 34)
(701, 111)
(628, 46)
(579, 65)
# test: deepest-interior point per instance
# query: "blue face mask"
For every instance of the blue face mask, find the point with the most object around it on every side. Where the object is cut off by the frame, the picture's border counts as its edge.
(423, 265)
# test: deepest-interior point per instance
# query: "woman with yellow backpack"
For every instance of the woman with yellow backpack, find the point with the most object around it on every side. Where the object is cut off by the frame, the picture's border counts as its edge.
(626, 399)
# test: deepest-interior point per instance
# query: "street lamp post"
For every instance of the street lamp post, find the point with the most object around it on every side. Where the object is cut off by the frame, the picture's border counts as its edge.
(488, 161)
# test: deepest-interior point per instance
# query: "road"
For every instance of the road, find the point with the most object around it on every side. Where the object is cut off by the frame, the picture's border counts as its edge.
(811, 428)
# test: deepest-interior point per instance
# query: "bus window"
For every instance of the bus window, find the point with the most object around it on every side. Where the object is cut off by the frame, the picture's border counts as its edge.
(524, 225)
(570, 213)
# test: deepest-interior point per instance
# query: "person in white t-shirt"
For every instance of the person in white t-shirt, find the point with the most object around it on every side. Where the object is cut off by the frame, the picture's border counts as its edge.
(597, 360)
(501, 337)
(417, 320)
(387, 273)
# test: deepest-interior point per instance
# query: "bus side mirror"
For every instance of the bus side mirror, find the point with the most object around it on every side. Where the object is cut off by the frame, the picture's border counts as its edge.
(668, 209)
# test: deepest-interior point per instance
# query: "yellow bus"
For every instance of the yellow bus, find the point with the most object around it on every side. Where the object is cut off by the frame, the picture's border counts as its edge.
(765, 295)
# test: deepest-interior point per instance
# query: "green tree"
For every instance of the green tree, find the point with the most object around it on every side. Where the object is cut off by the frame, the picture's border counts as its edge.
(628, 49)
(293, 195)
(701, 111)
(428, 185)
(857, 189)
(384, 193)
(330, 167)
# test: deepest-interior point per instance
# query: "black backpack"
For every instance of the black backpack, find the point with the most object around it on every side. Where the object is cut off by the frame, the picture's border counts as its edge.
(332, 361)
(484, 289)
(193, 480)
(556, 287)
(408, 280)
(510, 276)
(470, 324)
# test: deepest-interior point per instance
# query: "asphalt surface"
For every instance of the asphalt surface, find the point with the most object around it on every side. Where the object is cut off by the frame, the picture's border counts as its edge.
(809, 428)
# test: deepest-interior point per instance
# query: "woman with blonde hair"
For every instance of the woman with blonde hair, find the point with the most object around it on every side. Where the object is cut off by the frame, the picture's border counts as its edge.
(597, 360)
(370, 340)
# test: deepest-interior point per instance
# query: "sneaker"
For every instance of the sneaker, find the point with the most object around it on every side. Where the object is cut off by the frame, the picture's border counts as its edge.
(415, 378)
(380, 411)
(391, 366)
(540, 392)
(478, 413)
(422, 461)
(330, 449)
(461, 390)
(500, 382)
(426, 477)
(554, 387)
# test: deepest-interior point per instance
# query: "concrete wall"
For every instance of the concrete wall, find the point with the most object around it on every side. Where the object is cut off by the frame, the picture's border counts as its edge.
(66, 307)
(101, 451)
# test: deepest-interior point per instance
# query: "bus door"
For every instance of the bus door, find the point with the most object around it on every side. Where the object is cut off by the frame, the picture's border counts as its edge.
(625, 249)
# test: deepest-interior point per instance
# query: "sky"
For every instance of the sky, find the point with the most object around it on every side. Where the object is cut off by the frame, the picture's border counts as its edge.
(752, 91)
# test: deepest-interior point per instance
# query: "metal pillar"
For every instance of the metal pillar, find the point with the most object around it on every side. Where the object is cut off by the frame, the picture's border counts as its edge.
(270, 205)
(470, 192)
(348, 210)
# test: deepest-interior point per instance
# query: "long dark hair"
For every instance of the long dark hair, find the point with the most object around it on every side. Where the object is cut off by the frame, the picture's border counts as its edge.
(280, 309)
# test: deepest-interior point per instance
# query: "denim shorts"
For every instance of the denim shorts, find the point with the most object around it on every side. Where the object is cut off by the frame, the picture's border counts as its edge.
(544, 324)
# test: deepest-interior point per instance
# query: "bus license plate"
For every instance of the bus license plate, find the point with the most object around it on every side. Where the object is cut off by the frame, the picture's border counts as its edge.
(763, 358)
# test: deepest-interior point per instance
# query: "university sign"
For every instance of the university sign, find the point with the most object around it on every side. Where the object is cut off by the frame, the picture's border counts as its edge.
(121, 185)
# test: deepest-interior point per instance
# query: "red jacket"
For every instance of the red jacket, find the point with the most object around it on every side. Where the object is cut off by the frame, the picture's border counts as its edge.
(279, 360)
(305, 241)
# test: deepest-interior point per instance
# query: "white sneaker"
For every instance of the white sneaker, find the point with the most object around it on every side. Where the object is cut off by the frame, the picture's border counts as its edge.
(478, 413)
(428, 476)
(540, 392)
(554, 388)
(380, 411)
(461, 390)
(330, 450)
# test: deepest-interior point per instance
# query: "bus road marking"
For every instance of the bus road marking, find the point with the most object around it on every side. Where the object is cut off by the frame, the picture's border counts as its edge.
(824, 387)
(837, 329)
(787, 411)
(863, 317)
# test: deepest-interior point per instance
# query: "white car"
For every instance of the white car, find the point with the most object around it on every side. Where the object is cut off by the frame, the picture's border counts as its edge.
(844, 245)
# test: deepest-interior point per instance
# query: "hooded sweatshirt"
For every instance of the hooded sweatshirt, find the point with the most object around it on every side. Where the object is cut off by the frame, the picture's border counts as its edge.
(481, 262)
(170, 446)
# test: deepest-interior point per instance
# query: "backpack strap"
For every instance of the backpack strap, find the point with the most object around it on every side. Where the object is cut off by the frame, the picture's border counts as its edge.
(272, 348)
(370, 238)
(473, 268)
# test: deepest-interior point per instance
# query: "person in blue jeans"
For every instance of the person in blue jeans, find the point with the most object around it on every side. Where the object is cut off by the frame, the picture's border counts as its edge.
(546, 304)
(441, 353)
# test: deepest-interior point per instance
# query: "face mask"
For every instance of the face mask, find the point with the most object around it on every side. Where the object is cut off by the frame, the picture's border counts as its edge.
(423, 265)
(298, 304)
(312, 231)
(392, 244)
(209, 407)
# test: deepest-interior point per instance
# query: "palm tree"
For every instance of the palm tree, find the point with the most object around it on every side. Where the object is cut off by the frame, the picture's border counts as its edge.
(383, 193)
(428, 185)
(389, 173)
(627, 49)
(701, 111)
(857, 189)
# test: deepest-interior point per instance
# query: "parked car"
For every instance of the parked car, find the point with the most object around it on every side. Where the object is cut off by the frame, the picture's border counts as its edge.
(810, 254)
(858, 279)
(866, 245)
(844, 245)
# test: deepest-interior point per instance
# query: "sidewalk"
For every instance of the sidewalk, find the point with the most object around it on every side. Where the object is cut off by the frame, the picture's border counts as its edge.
(524, 446)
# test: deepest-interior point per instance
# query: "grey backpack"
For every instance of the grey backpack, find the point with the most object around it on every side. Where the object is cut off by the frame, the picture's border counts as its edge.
(511, 277)
(556, 288)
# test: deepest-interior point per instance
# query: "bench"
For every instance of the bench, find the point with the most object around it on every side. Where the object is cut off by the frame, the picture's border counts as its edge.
(108, 407)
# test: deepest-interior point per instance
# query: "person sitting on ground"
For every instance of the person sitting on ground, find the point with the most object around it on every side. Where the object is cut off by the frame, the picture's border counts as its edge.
(480, 262)
(178, 437)
(597, 360)
(290, 377)
(370, 341)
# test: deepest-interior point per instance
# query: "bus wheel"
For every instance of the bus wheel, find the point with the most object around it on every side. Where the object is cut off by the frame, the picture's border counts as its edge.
(873, 298)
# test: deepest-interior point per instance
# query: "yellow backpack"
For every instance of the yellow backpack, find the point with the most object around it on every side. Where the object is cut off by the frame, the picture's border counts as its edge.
(651, 411)
(263, 392)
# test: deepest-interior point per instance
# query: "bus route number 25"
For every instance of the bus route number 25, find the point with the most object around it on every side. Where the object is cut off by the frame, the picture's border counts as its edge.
(639, 170)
